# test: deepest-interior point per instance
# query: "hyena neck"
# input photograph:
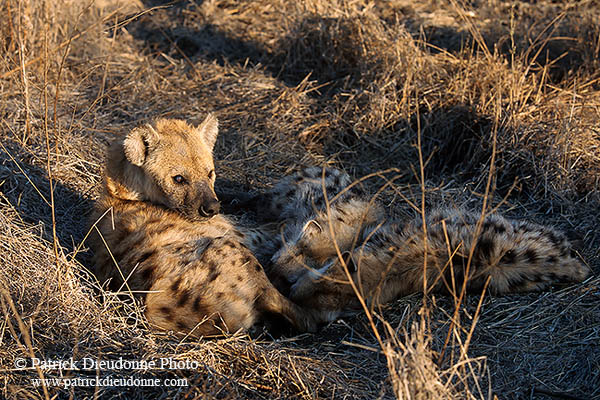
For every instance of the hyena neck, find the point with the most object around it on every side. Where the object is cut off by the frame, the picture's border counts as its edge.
(123, 180)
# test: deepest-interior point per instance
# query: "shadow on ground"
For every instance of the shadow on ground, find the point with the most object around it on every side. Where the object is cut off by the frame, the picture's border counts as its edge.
(72, 209)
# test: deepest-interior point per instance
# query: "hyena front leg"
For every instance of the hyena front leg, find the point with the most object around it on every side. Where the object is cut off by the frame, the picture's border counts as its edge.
(225, 289)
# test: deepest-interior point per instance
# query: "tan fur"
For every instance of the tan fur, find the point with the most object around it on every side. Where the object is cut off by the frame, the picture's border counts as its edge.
(156, 240)
(387, 259)
(310, 244)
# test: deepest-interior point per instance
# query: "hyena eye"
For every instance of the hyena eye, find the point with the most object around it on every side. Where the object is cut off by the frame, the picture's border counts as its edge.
(211, 174)
(179, 179)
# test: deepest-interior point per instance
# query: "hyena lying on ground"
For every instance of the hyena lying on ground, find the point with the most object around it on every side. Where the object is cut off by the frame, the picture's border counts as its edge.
(162, 237)
(386, 258)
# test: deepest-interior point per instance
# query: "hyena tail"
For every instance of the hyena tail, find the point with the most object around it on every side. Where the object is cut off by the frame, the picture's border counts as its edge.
(513, 256)
(275, 307)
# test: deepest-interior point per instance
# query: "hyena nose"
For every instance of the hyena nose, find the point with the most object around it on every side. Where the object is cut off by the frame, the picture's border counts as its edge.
(209, 209)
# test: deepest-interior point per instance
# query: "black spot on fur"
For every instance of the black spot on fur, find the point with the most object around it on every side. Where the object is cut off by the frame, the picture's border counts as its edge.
(517, 282)
(509, 257)
(213, 271)
(525, 227)
(197, 304)
(455, 271)
(257, 267)
(146, 147)
(536, 278)
(552, 260)
(561, 278)
(219, 295)
(144, 257)
(121, 235)
(239, 278)
(458, 260)
(246, 260)
(153, 221)
(554, 238)
(182, 326)
(175, 285)
(531, 256)
(290, 194)
(119, 254)
(163, 228)
(336, 181)
(436, 218)
(183, 298)
(497, 228)
(168, 312)
(147, 273)
(357, 191)
(573, 253)
(486, 248)
(435, 234)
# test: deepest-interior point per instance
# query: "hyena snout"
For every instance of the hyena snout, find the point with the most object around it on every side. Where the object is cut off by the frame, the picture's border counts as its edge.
(209, 207)
(205, 203)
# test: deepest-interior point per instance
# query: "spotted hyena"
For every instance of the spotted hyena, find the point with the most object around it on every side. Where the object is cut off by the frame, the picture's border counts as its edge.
(159, 235)
(386, 258)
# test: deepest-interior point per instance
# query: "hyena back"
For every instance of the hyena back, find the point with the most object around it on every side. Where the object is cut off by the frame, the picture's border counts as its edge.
(161, 236)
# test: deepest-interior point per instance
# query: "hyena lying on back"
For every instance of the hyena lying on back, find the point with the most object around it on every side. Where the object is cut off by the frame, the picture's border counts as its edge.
(386, 259)
(162, 236)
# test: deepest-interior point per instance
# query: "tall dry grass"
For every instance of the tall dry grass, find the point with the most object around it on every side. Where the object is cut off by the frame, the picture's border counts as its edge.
(485, 104)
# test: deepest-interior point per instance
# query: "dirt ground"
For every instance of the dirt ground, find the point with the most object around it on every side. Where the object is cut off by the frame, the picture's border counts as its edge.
(499, 101)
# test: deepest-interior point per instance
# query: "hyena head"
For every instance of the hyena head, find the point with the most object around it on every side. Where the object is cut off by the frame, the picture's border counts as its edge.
(176, 165)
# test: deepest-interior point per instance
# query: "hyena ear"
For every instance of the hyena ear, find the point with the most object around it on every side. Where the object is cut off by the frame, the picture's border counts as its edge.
(137, 142)
(349, 260)
(208, 130)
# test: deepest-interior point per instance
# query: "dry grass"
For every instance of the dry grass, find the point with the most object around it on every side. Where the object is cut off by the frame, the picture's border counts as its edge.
(353, 84)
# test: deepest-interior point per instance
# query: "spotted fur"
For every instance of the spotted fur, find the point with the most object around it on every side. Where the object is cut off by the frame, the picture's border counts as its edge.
(297, 196)
(387, 258)
(161, 238)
